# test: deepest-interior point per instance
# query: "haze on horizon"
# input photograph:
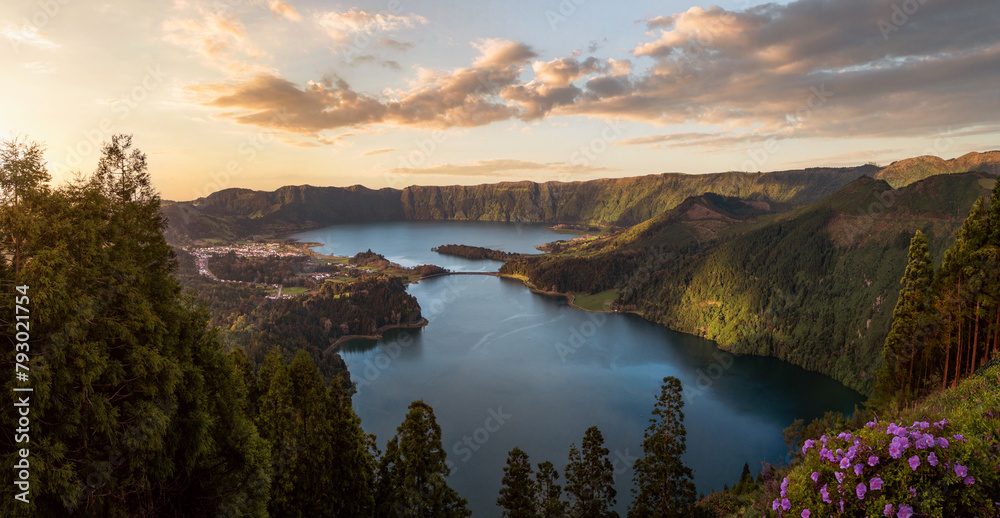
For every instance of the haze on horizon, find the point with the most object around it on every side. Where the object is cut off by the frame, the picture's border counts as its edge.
(265, 93)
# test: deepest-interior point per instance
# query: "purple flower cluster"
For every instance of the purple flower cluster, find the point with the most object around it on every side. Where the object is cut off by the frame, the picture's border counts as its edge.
(844, 460)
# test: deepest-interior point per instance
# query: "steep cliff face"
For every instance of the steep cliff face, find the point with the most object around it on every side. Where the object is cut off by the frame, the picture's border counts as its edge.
(618, 201)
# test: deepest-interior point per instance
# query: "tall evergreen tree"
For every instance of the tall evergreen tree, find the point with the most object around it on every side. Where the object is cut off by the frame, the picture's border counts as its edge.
(23, 179)
(663, 483)
(137, 411)
(956, 296)
(321, 465)
(412, 473)
(518, 492)
(910, 324)
(549, 502)
(590, 478)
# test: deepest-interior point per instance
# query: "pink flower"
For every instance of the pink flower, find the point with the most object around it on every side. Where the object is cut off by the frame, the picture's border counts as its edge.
(961, 470)
(932, 459)
(914, 462)
(888, 510)
(845, 463)
(905, 511)
(858, 469)
(876, 483)
(969, 480)
(815, 476)
(861, 490)
(785, 504)
(942, 442)
(839, 475)
(805, 513)
(873, 460)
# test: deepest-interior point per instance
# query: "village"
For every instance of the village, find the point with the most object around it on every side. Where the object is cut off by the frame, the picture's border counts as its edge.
(263, 250)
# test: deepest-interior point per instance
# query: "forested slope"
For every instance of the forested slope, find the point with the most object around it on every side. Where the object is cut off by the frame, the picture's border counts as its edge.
(233, 213)
(815, 286)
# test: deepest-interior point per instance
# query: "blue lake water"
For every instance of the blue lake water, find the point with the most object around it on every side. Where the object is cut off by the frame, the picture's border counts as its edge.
(504, 367)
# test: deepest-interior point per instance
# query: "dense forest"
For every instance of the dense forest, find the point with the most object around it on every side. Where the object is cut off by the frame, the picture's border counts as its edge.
(264, 270)
(814, 286)
(474, 252)
(140, 406)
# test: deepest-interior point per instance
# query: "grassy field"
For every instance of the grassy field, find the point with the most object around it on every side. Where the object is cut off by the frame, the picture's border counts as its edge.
(595, 302)
(289, 291)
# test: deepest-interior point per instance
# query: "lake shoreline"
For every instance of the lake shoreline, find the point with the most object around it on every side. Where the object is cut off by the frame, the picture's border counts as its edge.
(379, 333)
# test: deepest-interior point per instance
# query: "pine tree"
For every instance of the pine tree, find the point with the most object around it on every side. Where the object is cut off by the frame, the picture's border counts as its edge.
(518, 492)
(549, 502)
(412, 473)
(746, 481)
(910, 323)
(590, 478)
(663, 483)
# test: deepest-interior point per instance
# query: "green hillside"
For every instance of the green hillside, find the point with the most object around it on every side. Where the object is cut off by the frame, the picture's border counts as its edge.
(236, 213)
(815, 286)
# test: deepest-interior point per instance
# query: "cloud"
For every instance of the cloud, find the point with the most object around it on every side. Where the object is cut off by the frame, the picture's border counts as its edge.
(219, 38)
(503, 167)
(809, 68)
(371, 58)
(343, 26)
(282, 10)
(378, 151)
(463, 97)
(41, 67)
(27, 35)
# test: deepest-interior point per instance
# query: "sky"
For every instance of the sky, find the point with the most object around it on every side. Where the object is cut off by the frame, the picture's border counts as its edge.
(264, 93)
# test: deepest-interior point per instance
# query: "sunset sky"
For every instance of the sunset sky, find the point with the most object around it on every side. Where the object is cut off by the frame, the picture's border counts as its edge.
(265, 93)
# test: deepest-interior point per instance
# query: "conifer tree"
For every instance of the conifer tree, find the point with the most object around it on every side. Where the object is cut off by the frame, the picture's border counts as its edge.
(320, 464)
(138, 412)
(23, 179)
(549, 502)
(910, 322)
(412, 473)
(663, 483)
(590, 478)
(518, 491)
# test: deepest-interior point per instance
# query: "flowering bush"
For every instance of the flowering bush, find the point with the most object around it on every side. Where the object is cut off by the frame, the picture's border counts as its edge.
(921, 470)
